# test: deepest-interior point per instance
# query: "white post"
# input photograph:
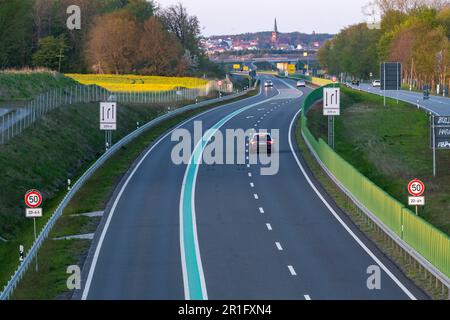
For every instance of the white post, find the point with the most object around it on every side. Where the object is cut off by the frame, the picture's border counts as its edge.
(34, 220)
(384, 85)
(434, 146)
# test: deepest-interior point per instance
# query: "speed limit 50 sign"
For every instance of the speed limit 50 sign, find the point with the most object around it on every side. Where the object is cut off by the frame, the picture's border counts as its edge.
(416, 188)
(33, 199)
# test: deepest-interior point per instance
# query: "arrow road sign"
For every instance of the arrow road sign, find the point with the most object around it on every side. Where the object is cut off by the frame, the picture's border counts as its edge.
(331, 101)
(108, 113)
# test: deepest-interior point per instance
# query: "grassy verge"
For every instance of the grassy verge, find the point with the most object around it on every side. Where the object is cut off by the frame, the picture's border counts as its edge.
(408, 266)
(55, 256)
(390, 146)
(59, 146)
(26, 85)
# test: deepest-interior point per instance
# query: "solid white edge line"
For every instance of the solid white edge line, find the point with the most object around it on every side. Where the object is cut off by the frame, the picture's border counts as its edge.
(113, 209)
(119, 195)
(354, 236)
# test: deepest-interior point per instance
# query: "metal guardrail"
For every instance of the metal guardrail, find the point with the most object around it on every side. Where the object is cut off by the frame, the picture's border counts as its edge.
(20, 271)
(400, 242)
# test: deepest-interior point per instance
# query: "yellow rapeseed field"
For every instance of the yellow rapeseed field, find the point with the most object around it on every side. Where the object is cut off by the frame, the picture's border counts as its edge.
(136, 83)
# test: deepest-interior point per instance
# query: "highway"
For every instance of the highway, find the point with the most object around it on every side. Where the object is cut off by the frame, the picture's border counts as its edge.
(225, 231)
(438, 105)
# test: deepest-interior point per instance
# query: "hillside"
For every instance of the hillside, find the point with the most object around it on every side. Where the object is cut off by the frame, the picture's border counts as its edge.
(24, 85)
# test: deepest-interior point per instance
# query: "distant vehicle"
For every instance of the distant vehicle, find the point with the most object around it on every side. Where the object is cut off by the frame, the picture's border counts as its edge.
(261, 142)
(376, 83)
(355, 82)
(301, 83)
(268, 83)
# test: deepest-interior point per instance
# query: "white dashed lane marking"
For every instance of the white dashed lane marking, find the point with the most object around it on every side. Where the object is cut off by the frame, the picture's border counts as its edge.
(279, 247)
(269, 226)
(292, 270)
(255, 196)
(261, 209)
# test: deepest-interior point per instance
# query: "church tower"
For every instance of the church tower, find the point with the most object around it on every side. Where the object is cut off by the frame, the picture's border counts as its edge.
(275, 34)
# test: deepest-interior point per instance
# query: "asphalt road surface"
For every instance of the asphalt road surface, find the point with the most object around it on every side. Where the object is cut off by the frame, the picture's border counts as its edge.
(225, 231)
(438, 105)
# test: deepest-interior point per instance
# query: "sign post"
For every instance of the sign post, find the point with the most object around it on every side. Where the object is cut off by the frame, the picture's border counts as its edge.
(331, 108)
(33, 199)
(108, 121)
(416, 189)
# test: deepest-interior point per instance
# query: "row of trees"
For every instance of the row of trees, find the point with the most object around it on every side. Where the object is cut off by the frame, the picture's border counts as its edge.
(413, 32)
(116, 36)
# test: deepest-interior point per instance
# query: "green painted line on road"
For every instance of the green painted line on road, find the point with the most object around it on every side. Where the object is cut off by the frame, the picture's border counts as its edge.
(193, 277)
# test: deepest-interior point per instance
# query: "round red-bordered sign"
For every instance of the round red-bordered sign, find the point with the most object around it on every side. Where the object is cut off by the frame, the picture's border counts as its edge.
(33, 199)
(416, 188)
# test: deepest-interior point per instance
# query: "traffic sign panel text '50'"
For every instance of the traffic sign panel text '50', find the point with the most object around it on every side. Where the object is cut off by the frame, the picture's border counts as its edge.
(416, 188)
(33, 199)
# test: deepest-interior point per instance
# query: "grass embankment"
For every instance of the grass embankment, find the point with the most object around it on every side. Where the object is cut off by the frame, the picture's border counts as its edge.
(390, 146)
(59, 146)
(411, 269)
(24, 85)
(136, 83)
(55, 256)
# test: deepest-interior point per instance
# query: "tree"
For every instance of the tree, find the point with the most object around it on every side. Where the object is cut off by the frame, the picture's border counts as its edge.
(15, 30)
(51, 52)
(141, 9)
(113, 43)
(185, 27)
(443, 18)
(160, 52)
(352, 51)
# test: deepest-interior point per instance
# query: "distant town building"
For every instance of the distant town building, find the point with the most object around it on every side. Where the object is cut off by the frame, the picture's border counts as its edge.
(275, 34)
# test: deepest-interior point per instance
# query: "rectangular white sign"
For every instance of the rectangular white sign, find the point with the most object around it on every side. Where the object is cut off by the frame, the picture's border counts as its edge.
(108, 116)
(33, 212)
(331, 101)
(416, 201)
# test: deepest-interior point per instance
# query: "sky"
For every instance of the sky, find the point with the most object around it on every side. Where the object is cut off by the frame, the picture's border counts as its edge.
(219, 17)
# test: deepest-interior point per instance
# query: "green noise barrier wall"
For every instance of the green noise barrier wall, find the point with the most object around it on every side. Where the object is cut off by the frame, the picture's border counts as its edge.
(425, 239)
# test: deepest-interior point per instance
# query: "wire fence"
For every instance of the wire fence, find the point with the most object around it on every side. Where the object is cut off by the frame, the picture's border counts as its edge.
(31, 254)
(16, 120)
